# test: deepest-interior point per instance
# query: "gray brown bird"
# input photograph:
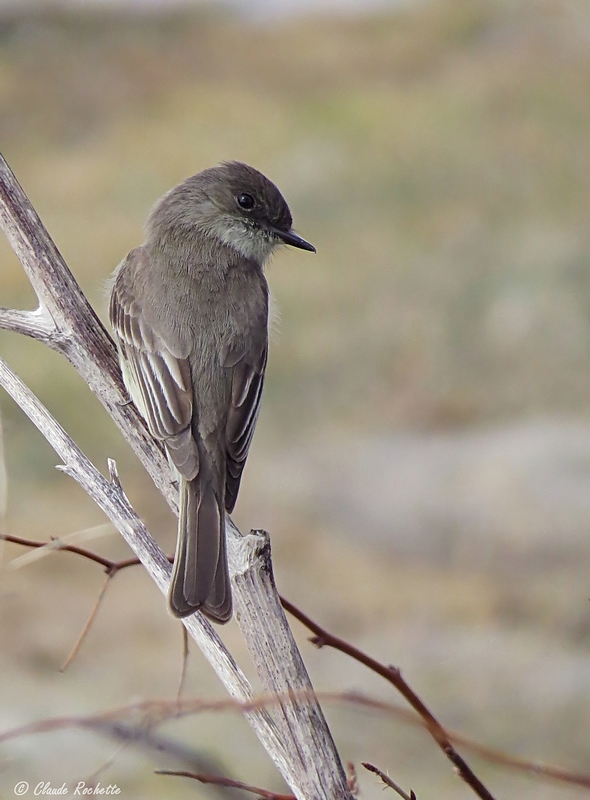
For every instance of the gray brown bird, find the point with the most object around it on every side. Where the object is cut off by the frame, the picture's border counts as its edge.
(190, 313)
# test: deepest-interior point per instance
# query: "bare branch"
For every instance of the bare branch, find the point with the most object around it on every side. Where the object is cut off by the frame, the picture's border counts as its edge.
(35, 324)
(185, 655)
(111, 567)
(67, 323)
(277, 739)
(219, 780)
(388, 782)
(532, 768)
(323, 638)
(140, 734)
(82, 339)
(91, 617)
(270, 640)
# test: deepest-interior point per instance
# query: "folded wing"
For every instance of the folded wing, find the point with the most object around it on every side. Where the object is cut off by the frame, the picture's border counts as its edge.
(158, 381)
(247, 384)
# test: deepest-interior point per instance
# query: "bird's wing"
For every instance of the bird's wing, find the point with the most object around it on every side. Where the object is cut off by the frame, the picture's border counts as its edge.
(157, 378)
(247, 382)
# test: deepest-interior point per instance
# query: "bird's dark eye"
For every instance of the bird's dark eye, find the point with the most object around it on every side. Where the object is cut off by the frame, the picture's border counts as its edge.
(245, 201)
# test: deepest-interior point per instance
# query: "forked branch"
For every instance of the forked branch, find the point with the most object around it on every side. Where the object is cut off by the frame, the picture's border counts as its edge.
(294, 732)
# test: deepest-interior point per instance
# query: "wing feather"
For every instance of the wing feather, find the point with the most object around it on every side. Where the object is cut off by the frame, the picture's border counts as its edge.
(158, 381)
(247, 383)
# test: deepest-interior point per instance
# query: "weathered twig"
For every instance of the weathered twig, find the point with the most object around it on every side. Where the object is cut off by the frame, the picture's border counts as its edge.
(322, 638)
(138, 732)
(389, 782)
(66, 322)
(219, 780)
(111, 499)
(535, 769)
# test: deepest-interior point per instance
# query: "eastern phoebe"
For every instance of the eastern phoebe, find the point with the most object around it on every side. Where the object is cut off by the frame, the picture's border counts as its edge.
(190, 313)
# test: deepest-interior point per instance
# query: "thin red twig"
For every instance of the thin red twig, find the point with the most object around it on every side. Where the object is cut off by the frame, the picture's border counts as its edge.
(111, 567)
(220, 780)
(532, 768)
(324, 638)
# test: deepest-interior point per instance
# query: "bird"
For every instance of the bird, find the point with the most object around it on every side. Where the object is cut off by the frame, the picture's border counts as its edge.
(190, 313)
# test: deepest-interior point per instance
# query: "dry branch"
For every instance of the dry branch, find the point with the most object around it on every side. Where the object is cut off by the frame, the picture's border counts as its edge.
(388, 782)
(322, 638)
(218, 780)
(535, 769)
(296, 737)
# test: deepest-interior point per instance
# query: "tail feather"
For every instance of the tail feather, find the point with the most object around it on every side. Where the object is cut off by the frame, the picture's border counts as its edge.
(218, 605)
(200, 578)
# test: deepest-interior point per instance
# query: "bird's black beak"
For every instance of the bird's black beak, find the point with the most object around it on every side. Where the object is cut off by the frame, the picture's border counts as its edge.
(289, 237)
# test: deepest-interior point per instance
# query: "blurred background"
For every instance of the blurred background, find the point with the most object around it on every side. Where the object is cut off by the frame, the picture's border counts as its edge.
(422, 460)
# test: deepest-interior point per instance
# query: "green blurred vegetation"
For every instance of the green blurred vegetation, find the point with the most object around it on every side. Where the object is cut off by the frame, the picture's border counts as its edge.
(437, 156)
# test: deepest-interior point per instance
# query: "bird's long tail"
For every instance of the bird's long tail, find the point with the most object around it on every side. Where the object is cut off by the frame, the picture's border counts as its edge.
(200, 578)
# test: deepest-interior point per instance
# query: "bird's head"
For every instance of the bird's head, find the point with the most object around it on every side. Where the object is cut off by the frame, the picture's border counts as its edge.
(235, 204)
